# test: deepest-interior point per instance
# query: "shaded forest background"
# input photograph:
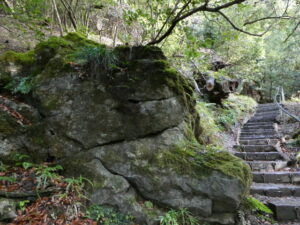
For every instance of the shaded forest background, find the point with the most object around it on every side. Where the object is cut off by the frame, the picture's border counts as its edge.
(255, 41)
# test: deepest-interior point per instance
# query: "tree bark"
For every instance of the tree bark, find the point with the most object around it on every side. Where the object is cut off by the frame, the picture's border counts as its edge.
(58, 18)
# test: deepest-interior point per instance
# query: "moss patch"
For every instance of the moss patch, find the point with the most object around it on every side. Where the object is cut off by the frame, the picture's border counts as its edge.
(186, 160)
(24, 59)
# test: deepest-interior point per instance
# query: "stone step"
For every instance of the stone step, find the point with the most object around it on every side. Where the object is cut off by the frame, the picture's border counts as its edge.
(273, 112)
(256, 129)
(254, 132)
(259, 142)
(263, 119)
(285, 209)
(270, 108)
(267, 110)
(266, 166)
(261, 156)
(267, 106)
(255, 148)
(259, 123)
(266, 114)
(275, 190)
(268, 125)
(255, 137)
(276, 177)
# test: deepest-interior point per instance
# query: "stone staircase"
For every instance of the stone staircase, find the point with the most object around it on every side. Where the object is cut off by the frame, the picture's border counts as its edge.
(259, 146)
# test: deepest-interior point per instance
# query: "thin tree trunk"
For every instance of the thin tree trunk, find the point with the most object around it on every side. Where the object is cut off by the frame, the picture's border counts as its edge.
(58, 18)
(115, 35)
(9, 5)
(70, 14)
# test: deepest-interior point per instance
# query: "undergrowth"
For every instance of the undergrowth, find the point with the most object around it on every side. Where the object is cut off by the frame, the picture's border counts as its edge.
(254, 204)
(96, 58)
(66, 202)
(108, 216)
(179, 217)
(216, 119)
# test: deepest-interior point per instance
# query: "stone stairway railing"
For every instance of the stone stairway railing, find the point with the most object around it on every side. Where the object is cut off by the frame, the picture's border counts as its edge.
(259, 147)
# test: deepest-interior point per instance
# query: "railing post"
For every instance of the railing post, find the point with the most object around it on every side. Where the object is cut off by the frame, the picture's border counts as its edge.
(282, 95)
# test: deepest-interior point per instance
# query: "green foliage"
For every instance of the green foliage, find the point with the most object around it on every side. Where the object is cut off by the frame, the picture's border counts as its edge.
(107, 216)
(235, 108)
(76, 184)
(256, 205)
(8, 179)
(45, 174)
(148, 204)
(199, 161)
(22, 204)
(208, 123)
(3, 167)
(20, 85)
(24, 59)
(180, 217)
(213, 119)
(96, 58)
(19, 158)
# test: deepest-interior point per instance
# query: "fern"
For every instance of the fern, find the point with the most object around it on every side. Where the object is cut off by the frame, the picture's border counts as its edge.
(180, 217)
(255, 204)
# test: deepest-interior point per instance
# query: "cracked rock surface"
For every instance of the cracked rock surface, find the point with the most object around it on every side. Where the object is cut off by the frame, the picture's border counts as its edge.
(123, 130)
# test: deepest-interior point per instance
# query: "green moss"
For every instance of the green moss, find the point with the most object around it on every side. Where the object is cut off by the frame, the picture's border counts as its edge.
(23, 59)
(79, 39)
(48, 49)
(126, 53)
(175, 80)
(5, 79)
(185, 159)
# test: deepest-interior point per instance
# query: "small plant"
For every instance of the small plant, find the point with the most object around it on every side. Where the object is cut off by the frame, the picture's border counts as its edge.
(19, 158)
(107, 216)
(180, 217)
(148, 204)
(3, 167)
(20, 85)
(96, 58)
(27, 165)
(76, 185)
(256, 205)
(22, 204)
(46, 174)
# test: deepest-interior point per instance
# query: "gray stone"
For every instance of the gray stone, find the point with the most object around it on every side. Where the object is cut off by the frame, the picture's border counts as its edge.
(123, 130)
(7, 209)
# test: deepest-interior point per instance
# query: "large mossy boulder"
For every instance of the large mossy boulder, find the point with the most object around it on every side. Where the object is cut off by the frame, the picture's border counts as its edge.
(131, 127)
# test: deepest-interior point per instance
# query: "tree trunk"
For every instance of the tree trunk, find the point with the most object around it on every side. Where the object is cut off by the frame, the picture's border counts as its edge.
(58, 18)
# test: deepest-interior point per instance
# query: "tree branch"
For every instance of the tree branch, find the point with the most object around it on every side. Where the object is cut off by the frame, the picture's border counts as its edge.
(267, 18)
(167, 20)
(237, 28)
(203, 7)
(293, 31)
(283, 16)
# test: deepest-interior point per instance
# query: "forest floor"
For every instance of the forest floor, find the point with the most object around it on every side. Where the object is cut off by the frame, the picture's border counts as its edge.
(42, 196)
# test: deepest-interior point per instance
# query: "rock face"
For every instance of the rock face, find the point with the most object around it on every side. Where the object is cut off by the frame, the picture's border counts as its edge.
(132, 129)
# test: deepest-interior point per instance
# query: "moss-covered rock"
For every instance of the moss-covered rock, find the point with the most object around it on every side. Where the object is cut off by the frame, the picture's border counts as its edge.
(131, 127)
